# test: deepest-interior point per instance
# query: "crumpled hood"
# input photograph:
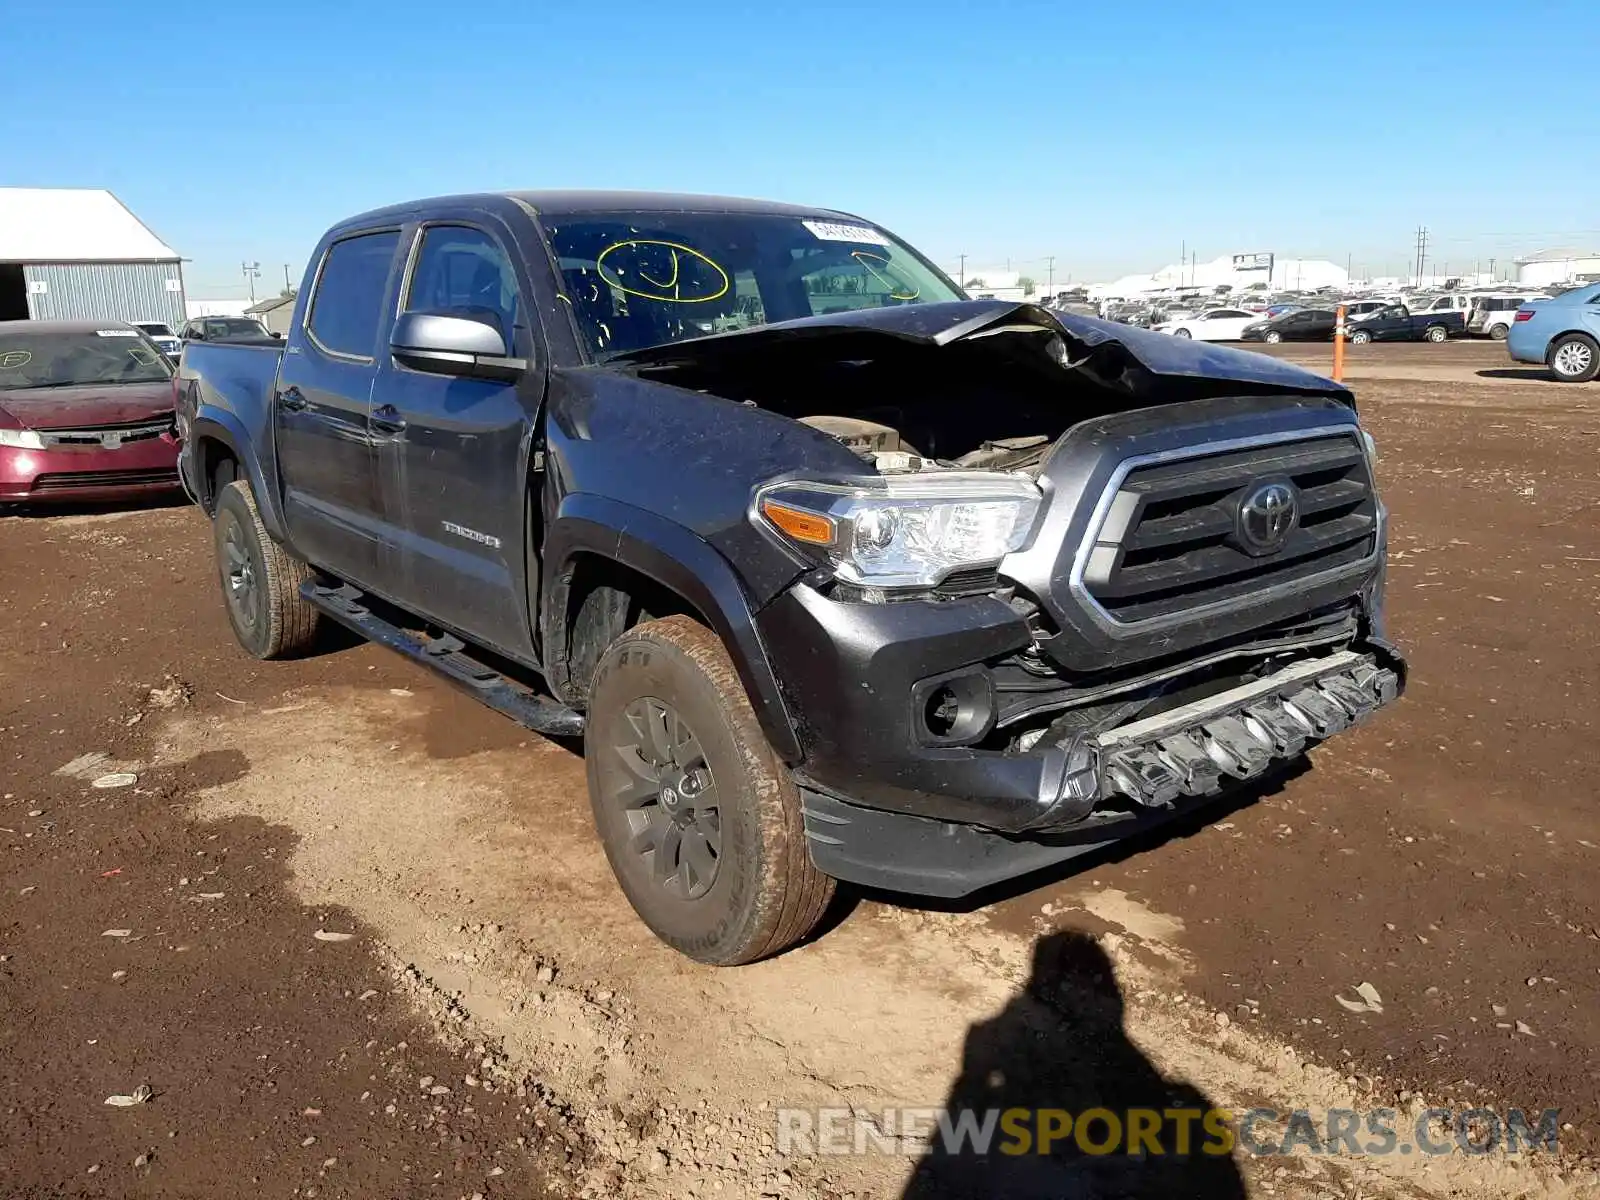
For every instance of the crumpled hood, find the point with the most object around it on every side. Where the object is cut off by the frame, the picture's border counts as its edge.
(1118, 357)
(83, 407)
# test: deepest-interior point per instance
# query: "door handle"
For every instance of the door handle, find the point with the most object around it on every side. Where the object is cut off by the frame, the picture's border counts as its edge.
(292, 398)
(387, 418)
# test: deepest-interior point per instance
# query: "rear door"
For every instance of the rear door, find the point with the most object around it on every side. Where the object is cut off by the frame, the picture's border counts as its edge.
(454, 451)
(326, 462)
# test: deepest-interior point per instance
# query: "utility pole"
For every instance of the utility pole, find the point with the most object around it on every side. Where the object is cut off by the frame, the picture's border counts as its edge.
(1422, 251)
(963, 272)
(287, 286)
(251, 271)
(1050, 277)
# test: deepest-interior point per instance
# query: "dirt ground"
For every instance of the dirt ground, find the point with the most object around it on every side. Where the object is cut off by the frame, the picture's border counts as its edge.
(355, 935)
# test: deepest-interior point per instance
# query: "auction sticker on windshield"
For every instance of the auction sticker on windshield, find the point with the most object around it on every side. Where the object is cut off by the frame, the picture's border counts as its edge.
(11, 359)
(116, 333)
(836, 231)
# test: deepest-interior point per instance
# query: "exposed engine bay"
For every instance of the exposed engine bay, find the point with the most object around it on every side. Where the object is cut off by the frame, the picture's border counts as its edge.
(883, 447)
(932, 387)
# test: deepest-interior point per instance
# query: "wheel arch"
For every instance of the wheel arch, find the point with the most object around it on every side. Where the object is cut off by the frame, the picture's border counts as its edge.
(218, 438)
(595, 542)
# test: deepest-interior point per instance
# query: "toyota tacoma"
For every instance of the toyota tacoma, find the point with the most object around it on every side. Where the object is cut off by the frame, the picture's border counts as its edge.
(837, 574)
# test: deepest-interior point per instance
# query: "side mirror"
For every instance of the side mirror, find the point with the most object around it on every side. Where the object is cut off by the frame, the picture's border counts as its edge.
(454, 344)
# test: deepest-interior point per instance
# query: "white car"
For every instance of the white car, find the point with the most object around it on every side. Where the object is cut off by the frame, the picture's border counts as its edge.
(1492, 316)
(161, 334)
(1212, 325)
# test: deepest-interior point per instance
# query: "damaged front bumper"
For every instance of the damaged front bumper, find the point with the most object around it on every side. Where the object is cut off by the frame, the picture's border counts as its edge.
(1116, 782)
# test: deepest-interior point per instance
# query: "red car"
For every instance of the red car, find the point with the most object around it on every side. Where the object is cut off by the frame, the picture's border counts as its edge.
(86, 412)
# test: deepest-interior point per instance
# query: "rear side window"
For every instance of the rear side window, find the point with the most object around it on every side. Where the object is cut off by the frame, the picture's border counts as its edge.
(348, 306)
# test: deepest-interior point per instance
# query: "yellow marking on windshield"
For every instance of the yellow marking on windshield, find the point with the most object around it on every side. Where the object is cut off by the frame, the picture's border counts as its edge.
(672, 291)
(663, 283)
(11, 359)
(145, 358)
(887, 277)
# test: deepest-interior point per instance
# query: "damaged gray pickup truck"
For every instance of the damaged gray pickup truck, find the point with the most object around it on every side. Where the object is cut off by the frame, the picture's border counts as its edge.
(838, 574)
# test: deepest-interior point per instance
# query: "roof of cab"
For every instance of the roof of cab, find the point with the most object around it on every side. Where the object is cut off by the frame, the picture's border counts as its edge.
(578, 201)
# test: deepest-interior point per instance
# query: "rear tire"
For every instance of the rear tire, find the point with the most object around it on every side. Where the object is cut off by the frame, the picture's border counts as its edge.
(1437, 334)
(699, 818)
(1574, 358)
(260, 580)
(1499, 333)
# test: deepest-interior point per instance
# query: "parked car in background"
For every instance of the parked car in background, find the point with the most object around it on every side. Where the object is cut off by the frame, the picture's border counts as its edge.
(161, 334)
(1278, 310)
(86, 412)
(1491, 316)
(228, 329)
(1212, 325)
(1300, 325)
(1460, 302)
(1397, 323)
(1563, 333)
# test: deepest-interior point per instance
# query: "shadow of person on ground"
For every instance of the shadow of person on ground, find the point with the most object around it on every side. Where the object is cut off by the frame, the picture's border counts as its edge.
(1059, 1044)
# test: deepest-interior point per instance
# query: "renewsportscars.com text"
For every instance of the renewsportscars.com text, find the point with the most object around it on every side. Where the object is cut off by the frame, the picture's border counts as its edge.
(1170, 1131)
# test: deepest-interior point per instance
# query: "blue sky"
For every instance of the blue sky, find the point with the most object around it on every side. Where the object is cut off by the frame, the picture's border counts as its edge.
(1107, 135)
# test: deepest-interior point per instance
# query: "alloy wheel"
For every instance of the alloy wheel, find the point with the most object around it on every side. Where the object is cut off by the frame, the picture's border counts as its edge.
(1573, 358)
(669, 797)
(244, 597)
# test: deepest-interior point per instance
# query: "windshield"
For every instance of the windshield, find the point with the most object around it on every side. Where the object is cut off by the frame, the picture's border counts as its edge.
(49, 360)
(154, 328)
(645, 279)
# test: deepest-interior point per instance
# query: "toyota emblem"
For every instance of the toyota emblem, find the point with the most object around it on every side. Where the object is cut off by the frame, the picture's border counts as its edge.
(1267, 516)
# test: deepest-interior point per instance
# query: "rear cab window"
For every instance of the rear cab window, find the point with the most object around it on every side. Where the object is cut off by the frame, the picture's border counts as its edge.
(347, 308)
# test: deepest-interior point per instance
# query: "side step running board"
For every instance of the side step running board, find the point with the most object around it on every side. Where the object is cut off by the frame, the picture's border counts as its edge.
(448, 656)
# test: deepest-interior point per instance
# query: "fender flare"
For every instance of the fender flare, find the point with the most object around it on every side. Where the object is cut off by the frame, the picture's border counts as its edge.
(225, 427)
(677, 559)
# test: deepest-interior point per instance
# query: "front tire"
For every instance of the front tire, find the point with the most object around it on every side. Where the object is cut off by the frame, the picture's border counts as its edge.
(1437, 334)
(260, 580)
(1183, 333)
(1574, 358)
(1360, 337)
(1272, 337)
(698, 816)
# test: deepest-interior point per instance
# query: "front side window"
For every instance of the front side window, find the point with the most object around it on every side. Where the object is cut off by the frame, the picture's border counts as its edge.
(33, 361)
(463, 271)
(348, 306)
(638, 279)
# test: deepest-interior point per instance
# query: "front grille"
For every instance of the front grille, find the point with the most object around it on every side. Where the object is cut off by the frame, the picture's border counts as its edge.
(94, 435)
(1172, 539)
(101, 479)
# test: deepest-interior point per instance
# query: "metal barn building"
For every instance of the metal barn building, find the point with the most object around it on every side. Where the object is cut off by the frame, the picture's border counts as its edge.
(78, 254)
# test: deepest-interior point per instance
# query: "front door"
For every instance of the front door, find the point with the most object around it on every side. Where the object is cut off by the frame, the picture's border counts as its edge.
(326, 464)
(453, 451)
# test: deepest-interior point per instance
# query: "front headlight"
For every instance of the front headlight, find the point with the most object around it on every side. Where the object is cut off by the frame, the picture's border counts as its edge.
(904, 531)
(22, 439)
